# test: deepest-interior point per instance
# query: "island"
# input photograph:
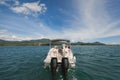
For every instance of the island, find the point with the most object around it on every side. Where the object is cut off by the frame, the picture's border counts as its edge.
(44, 42)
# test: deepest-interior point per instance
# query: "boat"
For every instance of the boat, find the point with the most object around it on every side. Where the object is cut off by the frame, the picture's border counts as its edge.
(60, 56)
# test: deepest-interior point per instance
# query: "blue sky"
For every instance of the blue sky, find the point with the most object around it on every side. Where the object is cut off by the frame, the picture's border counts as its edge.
(77, 20)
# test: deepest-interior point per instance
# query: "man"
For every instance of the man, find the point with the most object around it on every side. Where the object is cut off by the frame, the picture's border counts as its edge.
(53, 52)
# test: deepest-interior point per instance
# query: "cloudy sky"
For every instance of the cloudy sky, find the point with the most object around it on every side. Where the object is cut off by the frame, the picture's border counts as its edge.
(77, 20)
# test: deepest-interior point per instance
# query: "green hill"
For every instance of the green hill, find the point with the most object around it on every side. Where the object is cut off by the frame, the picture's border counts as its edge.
(83, 43)
(25, 43)
(39, 42)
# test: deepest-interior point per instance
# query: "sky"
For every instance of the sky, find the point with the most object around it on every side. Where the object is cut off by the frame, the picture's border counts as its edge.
(77, 20)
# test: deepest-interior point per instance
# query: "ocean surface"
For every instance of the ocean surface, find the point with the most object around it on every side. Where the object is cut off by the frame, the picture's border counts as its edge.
(93, 63)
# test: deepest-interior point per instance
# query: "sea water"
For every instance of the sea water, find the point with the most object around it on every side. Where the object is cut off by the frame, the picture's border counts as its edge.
(93, 63)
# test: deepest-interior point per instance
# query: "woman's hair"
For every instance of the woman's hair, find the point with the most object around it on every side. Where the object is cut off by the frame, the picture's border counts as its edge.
(68, 46)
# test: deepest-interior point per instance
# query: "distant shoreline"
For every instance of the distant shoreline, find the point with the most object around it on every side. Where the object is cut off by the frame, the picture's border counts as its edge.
(45, 42)
(71, 45)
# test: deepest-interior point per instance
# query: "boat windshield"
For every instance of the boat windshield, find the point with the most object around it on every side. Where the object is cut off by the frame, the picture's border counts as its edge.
(59, 42)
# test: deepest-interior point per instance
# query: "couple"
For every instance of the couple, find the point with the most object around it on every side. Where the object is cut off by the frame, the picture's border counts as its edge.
(60, 52)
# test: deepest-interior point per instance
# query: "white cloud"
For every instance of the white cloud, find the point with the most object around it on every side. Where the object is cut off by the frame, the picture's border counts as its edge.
(6, 35)
(3, 2)
(8, 2)
(92, 22)
(30, 8)
(16, 2)
(34, 31)
(33, 8)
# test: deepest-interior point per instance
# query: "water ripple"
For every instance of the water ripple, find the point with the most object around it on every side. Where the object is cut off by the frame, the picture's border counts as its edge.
(93, 63)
